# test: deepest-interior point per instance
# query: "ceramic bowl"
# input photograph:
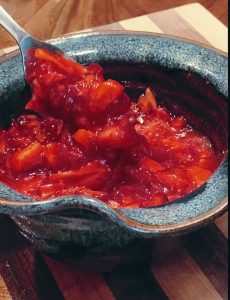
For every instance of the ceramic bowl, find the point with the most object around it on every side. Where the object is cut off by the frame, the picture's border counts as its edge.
(188, 78)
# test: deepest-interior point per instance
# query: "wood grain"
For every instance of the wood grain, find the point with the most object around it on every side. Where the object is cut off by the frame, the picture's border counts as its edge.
(22, 268)
(208, 247)
(181, 278)
(49, 19)
(77, 285)
(4, 293)
(134, 282)
(222, 224)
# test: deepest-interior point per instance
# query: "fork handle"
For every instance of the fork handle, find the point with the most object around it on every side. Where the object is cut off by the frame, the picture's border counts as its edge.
(11, 26)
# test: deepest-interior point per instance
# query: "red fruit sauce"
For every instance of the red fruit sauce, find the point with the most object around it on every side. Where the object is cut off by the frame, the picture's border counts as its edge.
(90, 138)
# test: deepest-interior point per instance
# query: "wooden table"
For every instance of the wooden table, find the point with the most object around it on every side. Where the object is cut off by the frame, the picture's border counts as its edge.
(190, 267)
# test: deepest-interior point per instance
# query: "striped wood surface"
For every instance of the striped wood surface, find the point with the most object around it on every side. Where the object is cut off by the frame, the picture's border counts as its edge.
(191, 267)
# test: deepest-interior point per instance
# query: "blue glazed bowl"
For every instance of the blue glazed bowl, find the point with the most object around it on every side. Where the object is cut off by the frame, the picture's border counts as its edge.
(188, 78)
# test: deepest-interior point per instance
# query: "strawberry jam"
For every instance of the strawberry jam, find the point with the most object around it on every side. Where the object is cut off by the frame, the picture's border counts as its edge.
(89, 137)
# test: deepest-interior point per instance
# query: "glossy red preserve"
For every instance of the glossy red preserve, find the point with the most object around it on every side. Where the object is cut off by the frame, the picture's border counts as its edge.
(90, 138)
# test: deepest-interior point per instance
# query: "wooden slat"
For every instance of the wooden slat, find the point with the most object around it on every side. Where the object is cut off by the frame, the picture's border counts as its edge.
(22, 268)
(203, 21)
(222, 224)
(51, 14)
(4, 293)
(113, 26)
(134, 282)
(77, 285)
(7, 50)
(181, 278)
(142, 23)
(209, 248)
(171, 22)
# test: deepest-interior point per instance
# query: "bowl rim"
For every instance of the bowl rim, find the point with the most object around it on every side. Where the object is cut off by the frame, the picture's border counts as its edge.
(83, 33)
(107, 211)
(146, 33)
(32, 208)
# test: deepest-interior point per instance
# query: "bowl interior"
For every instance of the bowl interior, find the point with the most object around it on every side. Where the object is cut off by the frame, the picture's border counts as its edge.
(183, 92)
(189, 79)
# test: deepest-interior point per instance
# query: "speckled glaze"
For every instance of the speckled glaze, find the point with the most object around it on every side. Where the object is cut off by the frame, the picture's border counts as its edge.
(76, 226)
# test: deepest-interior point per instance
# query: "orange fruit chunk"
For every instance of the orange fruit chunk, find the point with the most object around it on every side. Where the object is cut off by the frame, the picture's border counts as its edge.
(151, 165)
(147, 103)
(199, 175)
(27, 158)
(90, 175)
